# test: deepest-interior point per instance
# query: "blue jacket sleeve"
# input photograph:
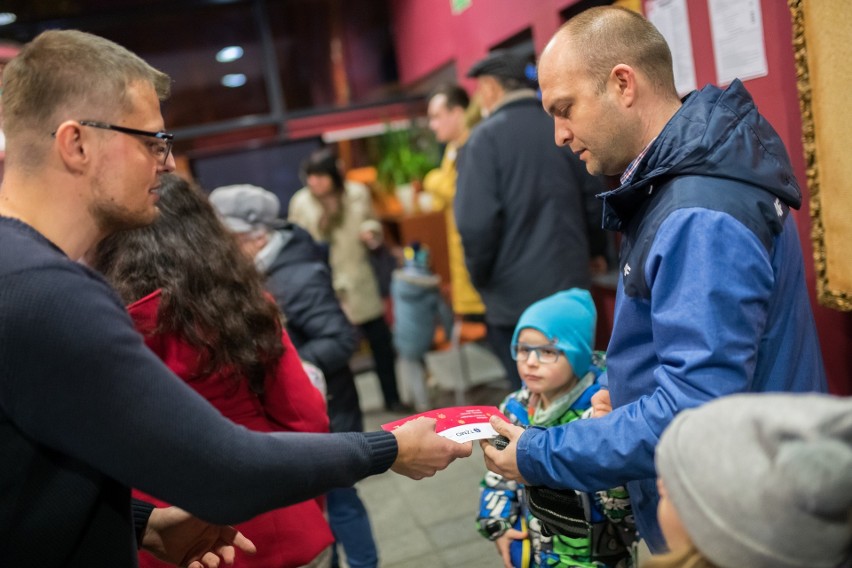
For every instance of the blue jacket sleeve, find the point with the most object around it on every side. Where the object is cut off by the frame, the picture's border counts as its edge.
(711, 281)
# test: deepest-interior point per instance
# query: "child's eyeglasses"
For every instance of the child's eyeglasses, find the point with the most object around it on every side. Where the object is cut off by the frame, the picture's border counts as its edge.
(545, 354)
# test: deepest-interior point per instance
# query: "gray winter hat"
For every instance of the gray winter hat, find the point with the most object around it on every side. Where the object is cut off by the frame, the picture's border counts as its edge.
(244, 207)
(763, 480)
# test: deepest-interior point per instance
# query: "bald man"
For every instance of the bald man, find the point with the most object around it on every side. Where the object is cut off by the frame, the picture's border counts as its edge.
(711, 296)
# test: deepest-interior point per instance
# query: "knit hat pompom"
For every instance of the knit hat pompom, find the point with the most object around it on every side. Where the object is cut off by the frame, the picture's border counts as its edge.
(567, 319)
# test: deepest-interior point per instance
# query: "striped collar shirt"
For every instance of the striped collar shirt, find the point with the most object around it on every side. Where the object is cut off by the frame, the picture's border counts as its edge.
(635, 163)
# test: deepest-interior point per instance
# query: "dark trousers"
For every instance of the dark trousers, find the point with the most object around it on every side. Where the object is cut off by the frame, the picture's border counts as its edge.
(379, 337)
(351, 527)
(500, 339)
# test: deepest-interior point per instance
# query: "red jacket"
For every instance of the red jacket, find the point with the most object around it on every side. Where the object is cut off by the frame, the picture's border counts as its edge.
(288, 537)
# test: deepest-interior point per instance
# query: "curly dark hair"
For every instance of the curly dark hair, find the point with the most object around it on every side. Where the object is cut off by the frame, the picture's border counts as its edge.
(212, 295)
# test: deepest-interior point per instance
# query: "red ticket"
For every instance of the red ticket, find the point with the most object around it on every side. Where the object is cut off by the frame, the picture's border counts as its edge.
(459, 423)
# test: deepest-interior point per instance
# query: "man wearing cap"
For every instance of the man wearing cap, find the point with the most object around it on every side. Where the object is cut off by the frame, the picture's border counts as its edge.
(526, 212)
(300, 281)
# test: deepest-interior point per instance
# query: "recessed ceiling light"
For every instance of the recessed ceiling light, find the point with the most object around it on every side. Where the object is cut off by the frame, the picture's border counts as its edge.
(231, 53)
(234, 80)
(7, 18)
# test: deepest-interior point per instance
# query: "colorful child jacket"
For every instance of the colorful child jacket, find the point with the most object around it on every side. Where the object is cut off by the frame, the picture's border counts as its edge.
(503, 503)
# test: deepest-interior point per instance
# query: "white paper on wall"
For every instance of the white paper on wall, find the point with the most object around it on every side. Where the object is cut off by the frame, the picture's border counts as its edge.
(737, 30)
(672, 19)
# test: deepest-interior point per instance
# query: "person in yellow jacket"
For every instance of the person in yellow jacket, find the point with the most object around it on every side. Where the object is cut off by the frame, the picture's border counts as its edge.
(448, 120)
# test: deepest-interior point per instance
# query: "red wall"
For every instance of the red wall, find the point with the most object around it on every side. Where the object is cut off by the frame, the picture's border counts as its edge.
(777, 98)
(428, 36)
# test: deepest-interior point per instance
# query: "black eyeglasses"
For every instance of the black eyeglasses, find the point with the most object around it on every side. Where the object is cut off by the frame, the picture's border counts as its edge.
(546, 354)
(160, 150)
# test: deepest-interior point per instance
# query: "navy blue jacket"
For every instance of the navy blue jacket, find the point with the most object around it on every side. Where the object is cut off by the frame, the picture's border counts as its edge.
(526, 212)
(711, 300)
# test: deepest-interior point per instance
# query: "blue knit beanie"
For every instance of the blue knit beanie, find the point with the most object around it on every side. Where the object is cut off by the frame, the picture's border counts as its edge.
(568, 320)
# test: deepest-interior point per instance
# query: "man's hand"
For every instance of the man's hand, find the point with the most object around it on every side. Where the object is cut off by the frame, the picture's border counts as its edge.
(504, 542)
(175, 536)
(422, 452)
(504, 462)
(601, 403)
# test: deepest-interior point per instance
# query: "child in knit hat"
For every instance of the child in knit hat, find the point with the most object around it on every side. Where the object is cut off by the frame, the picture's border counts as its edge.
(552, 346)
(758, 481)
(417, 308)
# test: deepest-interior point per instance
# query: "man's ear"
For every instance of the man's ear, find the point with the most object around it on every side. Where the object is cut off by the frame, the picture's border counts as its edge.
(492, 84)
(622, 79)
(72, 145)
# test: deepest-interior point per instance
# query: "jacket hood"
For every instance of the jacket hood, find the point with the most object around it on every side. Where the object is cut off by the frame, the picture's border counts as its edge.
(299, 247)
(716, 133)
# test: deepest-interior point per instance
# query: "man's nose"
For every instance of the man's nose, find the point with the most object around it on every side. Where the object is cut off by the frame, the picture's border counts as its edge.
(170, 165)
(563, 135)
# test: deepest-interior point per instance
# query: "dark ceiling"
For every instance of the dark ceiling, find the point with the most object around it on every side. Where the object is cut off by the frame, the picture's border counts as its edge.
(34, 15)
(287, 66)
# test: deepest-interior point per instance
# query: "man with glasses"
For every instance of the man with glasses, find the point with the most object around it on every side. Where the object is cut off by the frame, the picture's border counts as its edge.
(86, 411)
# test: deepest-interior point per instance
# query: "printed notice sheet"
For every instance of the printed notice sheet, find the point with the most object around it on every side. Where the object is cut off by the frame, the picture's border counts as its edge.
(737, 30)
(672, 19)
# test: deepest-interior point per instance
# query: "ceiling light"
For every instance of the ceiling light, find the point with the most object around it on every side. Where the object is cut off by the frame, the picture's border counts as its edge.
(234, 80)
(7, 18)
(231, 53)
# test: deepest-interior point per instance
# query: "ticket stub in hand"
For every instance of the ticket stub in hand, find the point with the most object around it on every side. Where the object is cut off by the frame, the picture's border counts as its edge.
(459, 423)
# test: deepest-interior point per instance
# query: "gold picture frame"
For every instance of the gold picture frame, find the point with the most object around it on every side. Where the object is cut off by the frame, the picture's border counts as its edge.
(821, 32)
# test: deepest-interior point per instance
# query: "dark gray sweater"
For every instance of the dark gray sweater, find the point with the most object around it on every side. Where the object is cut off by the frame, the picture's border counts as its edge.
(87, 411)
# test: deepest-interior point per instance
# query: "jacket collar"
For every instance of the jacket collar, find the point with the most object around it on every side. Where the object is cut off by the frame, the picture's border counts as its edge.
(513, 97)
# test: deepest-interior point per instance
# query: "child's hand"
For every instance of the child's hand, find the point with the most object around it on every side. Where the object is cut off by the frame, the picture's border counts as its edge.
(601, 403)
(504, 542)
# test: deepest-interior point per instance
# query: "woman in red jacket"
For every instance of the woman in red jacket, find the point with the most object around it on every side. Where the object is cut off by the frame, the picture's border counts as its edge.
(201, 306)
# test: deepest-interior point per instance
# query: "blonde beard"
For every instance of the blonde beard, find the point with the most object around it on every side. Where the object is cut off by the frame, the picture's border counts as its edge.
(111, 217)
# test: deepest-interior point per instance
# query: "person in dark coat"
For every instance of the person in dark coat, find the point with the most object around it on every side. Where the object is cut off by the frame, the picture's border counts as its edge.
(526, 211)
(299, 279)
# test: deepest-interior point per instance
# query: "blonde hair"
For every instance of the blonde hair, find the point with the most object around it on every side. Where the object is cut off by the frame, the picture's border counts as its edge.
(685, 558)
(65, 71)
